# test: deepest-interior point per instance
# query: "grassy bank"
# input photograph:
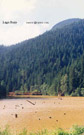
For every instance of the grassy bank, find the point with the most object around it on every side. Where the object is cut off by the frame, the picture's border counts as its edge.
(75, 130)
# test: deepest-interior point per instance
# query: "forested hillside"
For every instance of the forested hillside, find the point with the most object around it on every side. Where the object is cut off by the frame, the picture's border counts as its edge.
(52, 63)
(65, 23)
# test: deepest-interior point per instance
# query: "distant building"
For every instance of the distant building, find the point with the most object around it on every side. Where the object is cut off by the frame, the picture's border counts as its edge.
(36, 93)
(11, 94)
(27, 93)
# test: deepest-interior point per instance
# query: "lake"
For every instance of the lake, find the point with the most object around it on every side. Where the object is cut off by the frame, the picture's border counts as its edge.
(37, 113)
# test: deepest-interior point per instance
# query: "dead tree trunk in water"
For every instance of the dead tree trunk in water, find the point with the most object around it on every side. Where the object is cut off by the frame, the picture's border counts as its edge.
(30, 102)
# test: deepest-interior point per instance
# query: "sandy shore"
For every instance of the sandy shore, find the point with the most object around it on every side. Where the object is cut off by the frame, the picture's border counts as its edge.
(47, 113)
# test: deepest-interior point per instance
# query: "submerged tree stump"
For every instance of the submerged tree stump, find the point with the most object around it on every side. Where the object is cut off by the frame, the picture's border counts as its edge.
(16, 115)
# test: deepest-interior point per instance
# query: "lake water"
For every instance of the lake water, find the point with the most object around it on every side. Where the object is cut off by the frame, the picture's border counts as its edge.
(39, 113)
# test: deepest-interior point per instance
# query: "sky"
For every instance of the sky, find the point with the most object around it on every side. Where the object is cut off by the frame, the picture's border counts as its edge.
(22, 12)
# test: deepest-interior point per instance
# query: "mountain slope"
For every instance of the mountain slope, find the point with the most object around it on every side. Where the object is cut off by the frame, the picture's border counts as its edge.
(52, 63)
(65, 23)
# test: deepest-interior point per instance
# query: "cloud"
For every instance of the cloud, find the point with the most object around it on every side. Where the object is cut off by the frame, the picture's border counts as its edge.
(17, 10)
(18, 33)
(20, 11)
(14, 9)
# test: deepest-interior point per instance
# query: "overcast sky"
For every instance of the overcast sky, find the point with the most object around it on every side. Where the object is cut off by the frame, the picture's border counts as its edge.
(23, 11)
